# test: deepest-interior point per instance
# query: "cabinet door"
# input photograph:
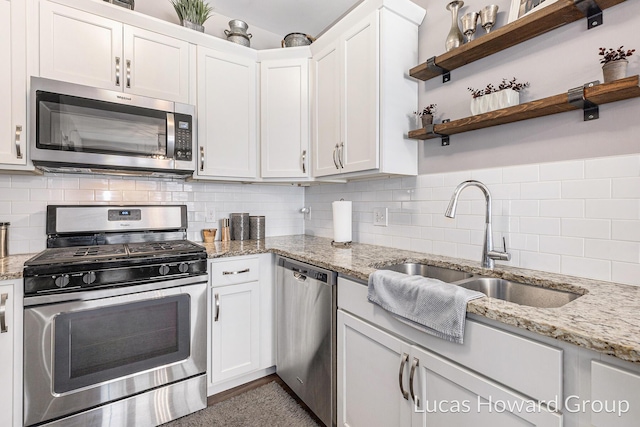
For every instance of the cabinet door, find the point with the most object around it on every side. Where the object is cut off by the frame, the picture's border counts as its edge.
(326, 111)
(226, 115)
(6, 354)
(618, 389)
(79, 47)
(156, 65)
(372, 365)
(284, 118)
(446, 394)
(235, 331)
(360, 93)
(13, 83)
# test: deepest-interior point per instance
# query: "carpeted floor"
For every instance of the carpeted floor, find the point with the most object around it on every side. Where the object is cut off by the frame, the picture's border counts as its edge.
(268, 405)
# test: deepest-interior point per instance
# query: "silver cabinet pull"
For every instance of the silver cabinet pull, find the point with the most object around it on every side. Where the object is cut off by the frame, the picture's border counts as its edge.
(303, 161)
(18, 145)
(403, 362)
(414, 365)
(226, 273)
(128, 73)
(3, 313)
(201, 159)
(217, 297)
(335, 162)
(341, 155)
(117, 71)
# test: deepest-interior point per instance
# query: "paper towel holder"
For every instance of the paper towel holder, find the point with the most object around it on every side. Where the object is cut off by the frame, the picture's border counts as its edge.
(340, 244)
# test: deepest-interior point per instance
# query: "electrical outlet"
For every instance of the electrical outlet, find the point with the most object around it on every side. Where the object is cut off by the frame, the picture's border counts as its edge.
(381, 217)
(210, 215)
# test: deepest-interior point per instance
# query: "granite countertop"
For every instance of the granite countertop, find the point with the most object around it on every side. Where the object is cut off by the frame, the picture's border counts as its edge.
(606, 318)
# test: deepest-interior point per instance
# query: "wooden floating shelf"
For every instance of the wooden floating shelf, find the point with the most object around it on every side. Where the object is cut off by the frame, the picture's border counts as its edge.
(555, 15)
(599, 94)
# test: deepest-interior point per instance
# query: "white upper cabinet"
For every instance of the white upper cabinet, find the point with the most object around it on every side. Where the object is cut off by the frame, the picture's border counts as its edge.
(362, 93)
(13, 78)
(87, 49)
(284, 117)
(227, 115)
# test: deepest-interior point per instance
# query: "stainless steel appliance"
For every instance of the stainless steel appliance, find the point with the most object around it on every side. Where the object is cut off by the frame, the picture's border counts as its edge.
(83, 129)
(306, 334)
(115, 318)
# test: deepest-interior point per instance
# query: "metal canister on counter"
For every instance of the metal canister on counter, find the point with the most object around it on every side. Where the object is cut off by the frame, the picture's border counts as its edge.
(240, 226)
(257, 225)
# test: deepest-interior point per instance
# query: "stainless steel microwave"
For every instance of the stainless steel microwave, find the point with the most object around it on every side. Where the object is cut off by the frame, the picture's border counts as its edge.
(83, 129)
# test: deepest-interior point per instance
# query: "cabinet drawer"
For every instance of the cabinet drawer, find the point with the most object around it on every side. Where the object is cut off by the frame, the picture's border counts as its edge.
(615, 396)
(235, 270)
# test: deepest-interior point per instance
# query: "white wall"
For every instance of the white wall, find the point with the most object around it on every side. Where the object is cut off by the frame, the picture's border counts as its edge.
(24, 198)
(579, 217)
(553, 63)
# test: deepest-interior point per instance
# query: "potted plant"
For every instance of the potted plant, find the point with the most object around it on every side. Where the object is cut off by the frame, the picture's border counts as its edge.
(492, 98)
(614, 63)
(426, 115)
(192, 13)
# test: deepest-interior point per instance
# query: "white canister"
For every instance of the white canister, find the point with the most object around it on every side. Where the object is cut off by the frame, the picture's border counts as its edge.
(342, 221)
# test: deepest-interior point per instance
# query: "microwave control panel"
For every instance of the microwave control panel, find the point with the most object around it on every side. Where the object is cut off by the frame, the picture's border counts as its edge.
(184, 138)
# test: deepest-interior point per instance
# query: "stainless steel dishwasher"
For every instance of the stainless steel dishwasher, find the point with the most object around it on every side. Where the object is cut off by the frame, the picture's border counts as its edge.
(306, 334)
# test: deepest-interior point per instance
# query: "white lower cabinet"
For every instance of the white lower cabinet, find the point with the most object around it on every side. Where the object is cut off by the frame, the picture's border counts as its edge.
(10, 354)
(615, 396)
(405, 378)
(240, 320)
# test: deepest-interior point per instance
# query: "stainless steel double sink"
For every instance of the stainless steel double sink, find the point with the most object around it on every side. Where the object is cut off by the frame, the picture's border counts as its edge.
(519, 293)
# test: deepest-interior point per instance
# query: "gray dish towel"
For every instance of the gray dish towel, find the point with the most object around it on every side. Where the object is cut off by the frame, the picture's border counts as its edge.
(429, 305)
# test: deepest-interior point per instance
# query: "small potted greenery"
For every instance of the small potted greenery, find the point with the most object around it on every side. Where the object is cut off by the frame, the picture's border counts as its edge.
(192, 13)
(491, 98)
(426, 115)
(614, 63)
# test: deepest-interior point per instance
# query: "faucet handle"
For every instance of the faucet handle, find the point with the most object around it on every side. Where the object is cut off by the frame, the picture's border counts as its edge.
(500, 256)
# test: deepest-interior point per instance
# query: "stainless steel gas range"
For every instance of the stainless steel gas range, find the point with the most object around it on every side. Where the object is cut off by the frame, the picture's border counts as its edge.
(115, 318)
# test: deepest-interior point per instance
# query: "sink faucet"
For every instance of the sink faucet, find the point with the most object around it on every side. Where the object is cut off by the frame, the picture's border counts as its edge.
(488, 253)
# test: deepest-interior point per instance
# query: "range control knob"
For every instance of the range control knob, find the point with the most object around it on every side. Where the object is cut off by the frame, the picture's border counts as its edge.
(62, 281)
(183, 267)
(164, 269)
(89, 277)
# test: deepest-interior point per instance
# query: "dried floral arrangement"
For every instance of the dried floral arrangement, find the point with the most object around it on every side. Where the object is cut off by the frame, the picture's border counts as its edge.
(429, 109)
(610, 55)
(512, 84)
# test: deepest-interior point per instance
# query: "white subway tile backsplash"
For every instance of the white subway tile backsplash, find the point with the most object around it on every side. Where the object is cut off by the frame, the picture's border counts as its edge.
(562, 171)
(562, 208)
(586, 189)
(525, 173)
(594, 228)
(612, 250)
(609, 167)
(613, 208)
(625, 188)
(578, 217)
(79, 195)
(586, 267)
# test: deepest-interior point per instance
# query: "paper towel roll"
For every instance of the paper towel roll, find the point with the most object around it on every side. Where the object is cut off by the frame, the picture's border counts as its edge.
(341, 221)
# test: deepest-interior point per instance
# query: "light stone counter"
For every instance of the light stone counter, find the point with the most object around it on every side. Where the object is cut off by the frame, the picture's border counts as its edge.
(606, 318)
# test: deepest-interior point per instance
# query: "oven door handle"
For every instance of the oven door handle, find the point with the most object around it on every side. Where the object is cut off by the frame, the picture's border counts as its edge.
(217, 298)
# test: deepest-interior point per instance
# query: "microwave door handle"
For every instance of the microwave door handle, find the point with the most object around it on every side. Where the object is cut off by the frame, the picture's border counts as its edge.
(171, 135)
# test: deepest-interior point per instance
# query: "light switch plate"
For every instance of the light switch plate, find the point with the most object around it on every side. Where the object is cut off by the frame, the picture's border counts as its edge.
(381, 217)
(210, 215)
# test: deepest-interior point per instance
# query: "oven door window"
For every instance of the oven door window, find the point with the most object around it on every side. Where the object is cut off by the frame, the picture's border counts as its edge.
(77, 124)
(99, 345)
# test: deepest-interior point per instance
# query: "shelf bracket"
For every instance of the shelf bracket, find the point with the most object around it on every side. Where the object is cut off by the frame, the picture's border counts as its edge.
(576, 97)
(431, 65)
(592, 11)
(444, 139)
